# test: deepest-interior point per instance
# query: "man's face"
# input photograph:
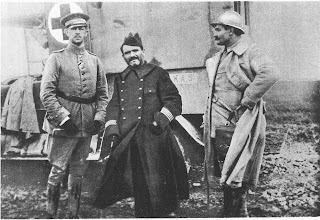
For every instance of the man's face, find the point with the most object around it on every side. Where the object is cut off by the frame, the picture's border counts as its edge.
(76, 34)
(133, 55)
(221, 35)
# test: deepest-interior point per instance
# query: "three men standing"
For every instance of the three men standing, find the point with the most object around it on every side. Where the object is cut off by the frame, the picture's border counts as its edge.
(147, 163)
(74, 94)
(238, 78)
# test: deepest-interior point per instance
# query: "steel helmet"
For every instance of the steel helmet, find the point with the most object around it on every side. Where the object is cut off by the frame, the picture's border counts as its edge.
(230, 18)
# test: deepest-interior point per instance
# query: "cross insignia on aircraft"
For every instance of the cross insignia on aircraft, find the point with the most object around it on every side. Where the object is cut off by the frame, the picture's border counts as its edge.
(57, 12)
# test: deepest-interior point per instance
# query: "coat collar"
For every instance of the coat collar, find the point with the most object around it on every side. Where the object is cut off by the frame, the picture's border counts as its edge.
(141, 72)
(239, 47)
(78, 50)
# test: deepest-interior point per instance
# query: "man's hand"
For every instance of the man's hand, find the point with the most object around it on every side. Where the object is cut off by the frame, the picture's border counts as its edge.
(161, 120)
(248, 103)
(159, 124)
(70, 128)
(95, 127)
(155, 128)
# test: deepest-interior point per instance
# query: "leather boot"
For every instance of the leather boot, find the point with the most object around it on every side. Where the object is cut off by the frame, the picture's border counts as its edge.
(239, 202)
(227, 202)
(74, 195)
(53, 196)
(243, 210)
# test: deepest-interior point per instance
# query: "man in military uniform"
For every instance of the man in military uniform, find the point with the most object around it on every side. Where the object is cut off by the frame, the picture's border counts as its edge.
(74, 94)
(238, 78)
(147, 163)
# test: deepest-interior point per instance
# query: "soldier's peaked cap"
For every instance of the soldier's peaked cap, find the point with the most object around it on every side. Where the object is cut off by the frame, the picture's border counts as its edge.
(75, 19)
(132, 40)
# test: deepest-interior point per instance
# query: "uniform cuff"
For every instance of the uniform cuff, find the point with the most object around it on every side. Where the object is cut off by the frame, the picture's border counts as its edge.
(110, 122)
(100, 116)
(167, 113)
(64, 121)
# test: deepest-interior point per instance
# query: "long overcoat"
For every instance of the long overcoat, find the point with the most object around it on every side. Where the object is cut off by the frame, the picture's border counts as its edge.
(137, 96)
(248, 69)
(62, 73)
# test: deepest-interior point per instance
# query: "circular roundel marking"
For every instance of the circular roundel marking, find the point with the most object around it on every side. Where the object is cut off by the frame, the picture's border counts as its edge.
(58, 11)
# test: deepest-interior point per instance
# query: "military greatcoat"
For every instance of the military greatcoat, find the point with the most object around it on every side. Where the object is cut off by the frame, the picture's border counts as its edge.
(76, 73)
(242, 76)
(138, 94)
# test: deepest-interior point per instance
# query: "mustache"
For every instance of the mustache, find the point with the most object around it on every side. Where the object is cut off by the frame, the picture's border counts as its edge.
(133, 58)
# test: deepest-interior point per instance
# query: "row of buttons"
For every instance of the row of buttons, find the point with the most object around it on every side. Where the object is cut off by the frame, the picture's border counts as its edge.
(141, 80)
(124, 118)
(82, 68)
(139, 107)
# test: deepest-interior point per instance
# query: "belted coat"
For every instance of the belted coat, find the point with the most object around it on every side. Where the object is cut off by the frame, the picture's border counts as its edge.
(137, 96)
(252, 73)
(62, 73)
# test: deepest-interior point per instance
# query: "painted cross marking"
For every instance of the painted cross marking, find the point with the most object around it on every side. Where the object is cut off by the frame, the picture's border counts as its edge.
(64, 10)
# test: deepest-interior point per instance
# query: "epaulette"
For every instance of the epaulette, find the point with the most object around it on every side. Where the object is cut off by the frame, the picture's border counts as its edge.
(92, 53)
(59, 51)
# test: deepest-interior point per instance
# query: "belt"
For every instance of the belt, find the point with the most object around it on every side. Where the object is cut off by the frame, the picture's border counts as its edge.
(75, 98)
(233, 113)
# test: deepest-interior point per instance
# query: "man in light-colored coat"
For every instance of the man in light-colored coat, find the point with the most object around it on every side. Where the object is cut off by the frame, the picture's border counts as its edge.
(74, 93)
(238, 78)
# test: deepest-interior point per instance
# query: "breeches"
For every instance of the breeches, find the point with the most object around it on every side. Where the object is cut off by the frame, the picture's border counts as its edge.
(64, 151)
(220, 145)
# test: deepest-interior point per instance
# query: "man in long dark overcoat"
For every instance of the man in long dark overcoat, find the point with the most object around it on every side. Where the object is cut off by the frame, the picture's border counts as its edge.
(147, 163)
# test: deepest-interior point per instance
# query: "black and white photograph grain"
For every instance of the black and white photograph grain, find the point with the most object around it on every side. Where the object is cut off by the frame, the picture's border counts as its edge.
(160, 109)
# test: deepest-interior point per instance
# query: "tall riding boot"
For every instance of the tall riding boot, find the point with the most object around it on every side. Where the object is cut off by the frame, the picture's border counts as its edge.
(74, 195)
(227, 201)
(53, 196)
(239, 203)
(243, 210)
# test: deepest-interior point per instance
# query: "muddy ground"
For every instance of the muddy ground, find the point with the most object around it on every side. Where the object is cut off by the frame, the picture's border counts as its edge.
(289, 185)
